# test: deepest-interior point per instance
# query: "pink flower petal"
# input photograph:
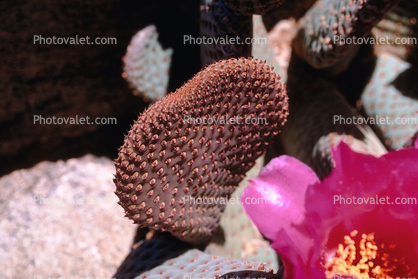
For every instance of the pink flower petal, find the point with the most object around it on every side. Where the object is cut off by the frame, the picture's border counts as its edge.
(280, 189)
(306, 229)
(282, 184)
(361, 194)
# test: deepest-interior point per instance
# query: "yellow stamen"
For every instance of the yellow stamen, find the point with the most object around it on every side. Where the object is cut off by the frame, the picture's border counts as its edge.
(368, 260)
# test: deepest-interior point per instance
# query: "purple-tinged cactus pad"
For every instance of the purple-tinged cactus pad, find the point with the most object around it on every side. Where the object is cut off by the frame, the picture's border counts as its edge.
(175, 153)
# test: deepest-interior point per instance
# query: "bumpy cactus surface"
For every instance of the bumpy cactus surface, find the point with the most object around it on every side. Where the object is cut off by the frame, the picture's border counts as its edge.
(146, 64)
(168, 161)
(196, 264)
(394, 113)
(149, 254)
(324, 32)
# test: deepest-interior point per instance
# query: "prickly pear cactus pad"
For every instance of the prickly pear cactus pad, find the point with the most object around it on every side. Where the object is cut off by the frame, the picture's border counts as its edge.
(219, 24)
(325, 31)
(250, 274)
(146, 64)
(196, 264)
(175, 154)
(395, 114)
(149, 254)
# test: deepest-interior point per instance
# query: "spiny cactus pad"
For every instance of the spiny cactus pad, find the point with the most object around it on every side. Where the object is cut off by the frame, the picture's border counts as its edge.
(250, 274)
(196, 264)
(219, 24)
(149, 254)
(325, 30)
(175, 153)
(250, 7)
(396, 113)
(146, 64)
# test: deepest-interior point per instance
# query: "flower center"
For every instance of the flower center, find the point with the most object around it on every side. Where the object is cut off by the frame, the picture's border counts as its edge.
(367, 260)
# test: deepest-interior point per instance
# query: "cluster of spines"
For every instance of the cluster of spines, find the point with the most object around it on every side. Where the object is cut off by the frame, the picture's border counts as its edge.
(167, 160)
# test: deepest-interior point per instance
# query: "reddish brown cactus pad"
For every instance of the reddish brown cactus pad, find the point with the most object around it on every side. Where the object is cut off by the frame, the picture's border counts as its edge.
(167, 159)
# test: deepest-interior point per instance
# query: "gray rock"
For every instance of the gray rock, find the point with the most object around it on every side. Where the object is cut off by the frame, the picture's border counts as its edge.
(62, 220)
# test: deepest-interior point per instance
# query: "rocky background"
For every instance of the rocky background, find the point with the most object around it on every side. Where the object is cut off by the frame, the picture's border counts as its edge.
(59, 237)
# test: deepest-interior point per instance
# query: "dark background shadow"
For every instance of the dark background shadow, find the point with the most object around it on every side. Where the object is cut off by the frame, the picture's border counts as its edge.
(83, 80)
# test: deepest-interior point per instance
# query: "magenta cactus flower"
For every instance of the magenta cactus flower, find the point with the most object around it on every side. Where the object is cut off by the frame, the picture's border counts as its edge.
(359, 222)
